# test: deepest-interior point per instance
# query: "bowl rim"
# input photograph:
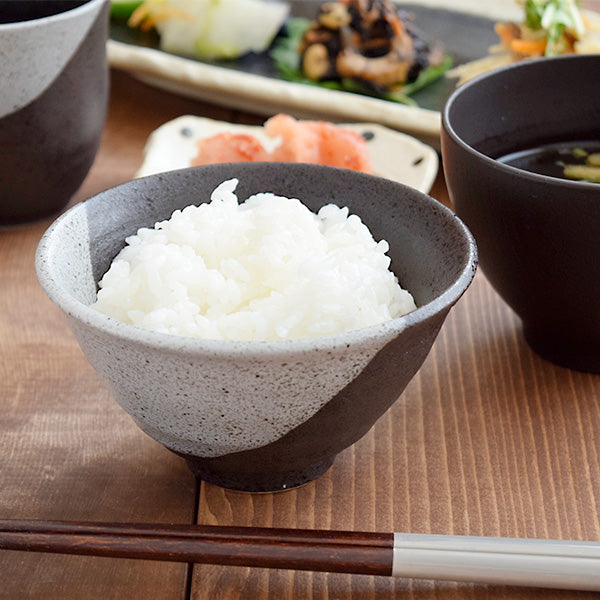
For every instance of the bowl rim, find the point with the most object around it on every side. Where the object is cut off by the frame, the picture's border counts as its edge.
(129, 333)
(449, 129)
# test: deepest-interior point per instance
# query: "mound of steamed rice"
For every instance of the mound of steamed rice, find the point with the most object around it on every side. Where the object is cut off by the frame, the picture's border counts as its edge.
(265, 269)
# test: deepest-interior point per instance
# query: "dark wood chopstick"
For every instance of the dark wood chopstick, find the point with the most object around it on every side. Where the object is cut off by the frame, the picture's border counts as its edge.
(562, 564)
(331, 551)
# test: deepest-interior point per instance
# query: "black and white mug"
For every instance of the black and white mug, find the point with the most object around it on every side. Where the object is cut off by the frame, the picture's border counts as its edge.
(53, 101)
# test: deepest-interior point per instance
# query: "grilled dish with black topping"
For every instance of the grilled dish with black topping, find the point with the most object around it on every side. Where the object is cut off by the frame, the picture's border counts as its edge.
(367, 46)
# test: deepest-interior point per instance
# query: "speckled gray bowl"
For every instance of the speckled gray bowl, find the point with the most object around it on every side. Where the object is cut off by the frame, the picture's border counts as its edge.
(259, 416)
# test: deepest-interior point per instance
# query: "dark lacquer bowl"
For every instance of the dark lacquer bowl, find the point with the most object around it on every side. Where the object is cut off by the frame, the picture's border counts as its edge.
(259, 416)
(538, 235)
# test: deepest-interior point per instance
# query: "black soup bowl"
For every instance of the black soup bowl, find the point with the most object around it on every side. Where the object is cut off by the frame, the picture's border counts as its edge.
(538, 235)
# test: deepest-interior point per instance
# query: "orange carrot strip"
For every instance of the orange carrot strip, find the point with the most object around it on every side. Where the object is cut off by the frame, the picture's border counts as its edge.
(528, 47)
(505, 32)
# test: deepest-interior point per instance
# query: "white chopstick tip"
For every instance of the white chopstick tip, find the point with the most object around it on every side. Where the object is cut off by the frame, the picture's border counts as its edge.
(554, 564)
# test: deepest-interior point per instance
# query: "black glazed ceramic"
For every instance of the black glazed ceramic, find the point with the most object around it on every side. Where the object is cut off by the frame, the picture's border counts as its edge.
(538, 237)
(52, 103)
(259, 416)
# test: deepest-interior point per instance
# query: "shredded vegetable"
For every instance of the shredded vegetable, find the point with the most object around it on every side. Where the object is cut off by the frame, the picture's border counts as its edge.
(548, 28)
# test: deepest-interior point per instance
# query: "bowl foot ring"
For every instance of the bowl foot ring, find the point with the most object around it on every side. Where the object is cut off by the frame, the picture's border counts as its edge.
(256, 482)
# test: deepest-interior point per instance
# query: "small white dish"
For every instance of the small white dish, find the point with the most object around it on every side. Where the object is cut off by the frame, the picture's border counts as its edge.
(394, 155)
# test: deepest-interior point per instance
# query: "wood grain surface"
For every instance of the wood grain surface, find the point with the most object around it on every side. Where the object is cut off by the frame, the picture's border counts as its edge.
(488, 439)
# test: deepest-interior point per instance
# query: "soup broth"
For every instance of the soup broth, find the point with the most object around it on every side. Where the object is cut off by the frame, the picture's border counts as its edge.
(15, 11)
(565, 160)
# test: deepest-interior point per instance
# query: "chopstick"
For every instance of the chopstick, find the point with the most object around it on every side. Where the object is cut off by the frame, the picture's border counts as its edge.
(506, 561)
(344, 552)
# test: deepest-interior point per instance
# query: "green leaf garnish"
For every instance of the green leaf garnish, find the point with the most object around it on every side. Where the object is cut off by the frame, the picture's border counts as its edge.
(122, 9)
(285, 51)
(533, 14)
(427, 76)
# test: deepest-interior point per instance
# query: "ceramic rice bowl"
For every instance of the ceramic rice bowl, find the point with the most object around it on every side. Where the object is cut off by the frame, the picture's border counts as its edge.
(259, 416)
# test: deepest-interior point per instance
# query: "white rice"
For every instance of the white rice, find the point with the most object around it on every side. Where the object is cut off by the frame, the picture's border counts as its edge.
(265, 269)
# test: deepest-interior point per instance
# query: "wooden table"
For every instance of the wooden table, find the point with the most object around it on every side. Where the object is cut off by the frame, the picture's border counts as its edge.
(488, 438)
